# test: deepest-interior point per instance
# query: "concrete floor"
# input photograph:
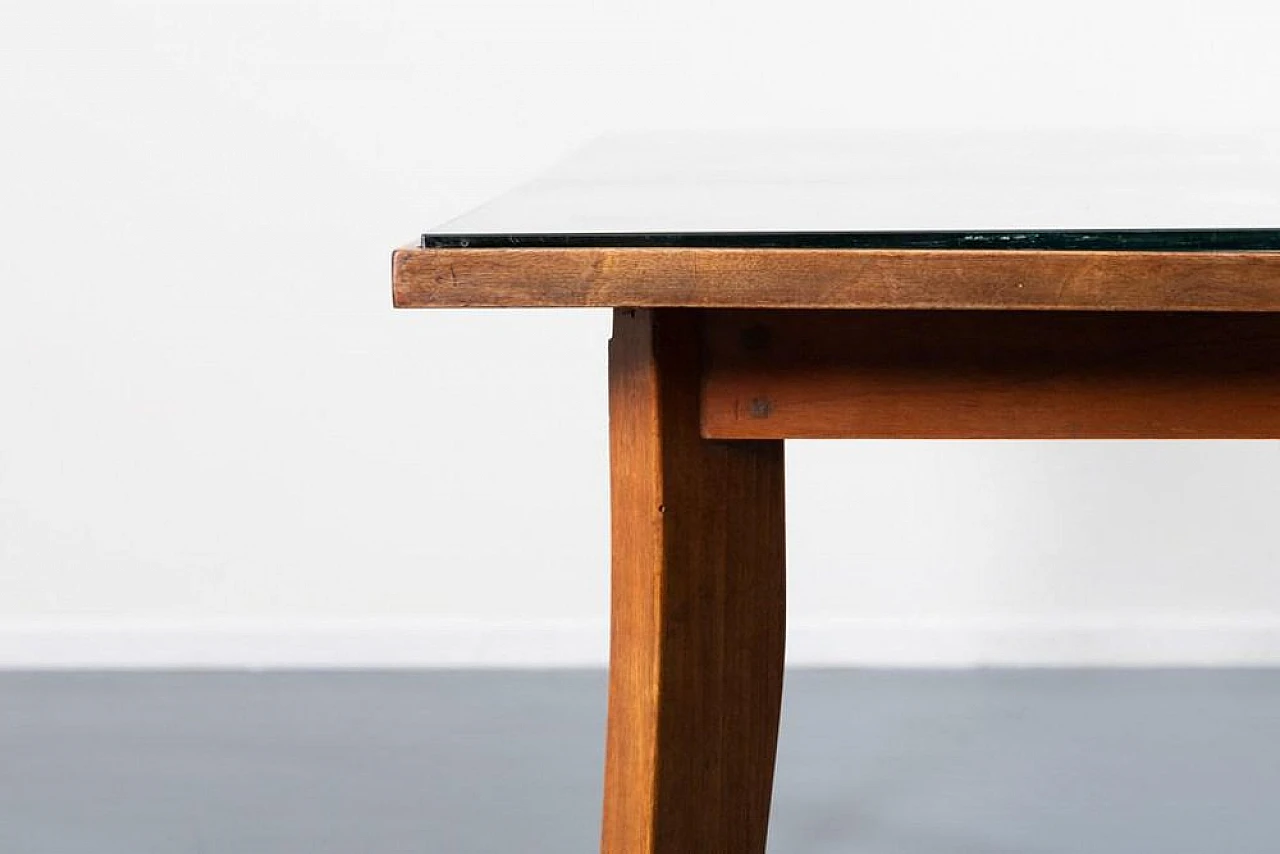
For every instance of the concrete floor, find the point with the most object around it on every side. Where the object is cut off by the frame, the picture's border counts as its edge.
(985, 762)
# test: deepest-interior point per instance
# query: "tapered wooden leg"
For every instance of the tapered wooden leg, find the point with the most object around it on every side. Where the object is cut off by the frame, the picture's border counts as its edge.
(695, 680)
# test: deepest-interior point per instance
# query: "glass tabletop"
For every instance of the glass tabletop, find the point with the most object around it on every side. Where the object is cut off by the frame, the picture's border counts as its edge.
(1067, 190)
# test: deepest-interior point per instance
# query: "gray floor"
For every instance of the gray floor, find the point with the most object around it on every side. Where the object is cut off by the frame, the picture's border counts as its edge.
(1031, 762)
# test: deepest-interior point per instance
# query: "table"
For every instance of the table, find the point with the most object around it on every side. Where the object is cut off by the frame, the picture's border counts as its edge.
(1064, 285)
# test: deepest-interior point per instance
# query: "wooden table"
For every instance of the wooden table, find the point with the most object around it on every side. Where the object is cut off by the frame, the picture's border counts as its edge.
(768, 287)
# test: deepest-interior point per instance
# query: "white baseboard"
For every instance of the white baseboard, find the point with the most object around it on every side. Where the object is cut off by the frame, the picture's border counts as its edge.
(1152, 642)
(302, 643)
(1014, 642)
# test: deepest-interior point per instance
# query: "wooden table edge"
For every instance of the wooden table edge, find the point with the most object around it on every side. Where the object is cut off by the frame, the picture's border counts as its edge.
(836, 278)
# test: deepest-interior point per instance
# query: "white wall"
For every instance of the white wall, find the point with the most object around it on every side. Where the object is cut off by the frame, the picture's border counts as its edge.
(219, 445)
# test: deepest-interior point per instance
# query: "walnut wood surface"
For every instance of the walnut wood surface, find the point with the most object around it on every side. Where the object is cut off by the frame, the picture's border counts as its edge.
(698, 608)
(837, 278)
(992, 375)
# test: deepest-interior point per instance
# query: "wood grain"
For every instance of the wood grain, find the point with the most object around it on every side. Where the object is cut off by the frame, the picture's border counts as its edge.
(837, 278)
(991, 375)
(698, 607)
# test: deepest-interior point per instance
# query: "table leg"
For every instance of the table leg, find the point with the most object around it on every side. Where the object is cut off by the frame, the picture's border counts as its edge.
(695, 680)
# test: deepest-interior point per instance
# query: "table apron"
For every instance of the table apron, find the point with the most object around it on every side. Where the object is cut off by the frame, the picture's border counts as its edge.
(930, 374)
